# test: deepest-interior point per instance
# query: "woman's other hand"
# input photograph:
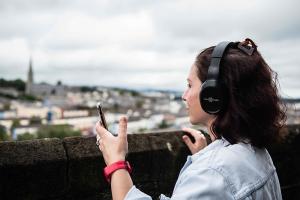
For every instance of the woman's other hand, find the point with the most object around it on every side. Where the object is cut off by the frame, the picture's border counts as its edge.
(200, 140)
(113, 148)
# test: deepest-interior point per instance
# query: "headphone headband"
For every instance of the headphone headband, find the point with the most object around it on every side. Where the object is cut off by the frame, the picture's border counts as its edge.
(216, 57)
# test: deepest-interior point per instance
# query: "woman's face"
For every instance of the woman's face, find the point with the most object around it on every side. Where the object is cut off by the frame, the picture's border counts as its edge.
(191, 97)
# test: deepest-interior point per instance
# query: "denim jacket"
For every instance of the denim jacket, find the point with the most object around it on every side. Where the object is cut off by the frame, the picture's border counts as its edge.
(223, 171)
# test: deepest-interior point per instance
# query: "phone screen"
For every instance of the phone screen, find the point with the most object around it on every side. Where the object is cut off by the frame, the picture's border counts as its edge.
(101, 115)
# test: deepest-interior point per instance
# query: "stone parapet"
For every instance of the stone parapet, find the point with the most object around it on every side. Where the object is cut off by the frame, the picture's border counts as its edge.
(71, 168)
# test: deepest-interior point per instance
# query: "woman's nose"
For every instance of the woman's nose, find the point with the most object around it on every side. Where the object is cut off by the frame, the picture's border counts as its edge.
(183, 96)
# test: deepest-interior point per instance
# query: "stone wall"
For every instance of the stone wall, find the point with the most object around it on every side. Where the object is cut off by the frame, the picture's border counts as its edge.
(72, 168)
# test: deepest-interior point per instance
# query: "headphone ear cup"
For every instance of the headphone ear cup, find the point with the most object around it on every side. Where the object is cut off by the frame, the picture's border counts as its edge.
(211, 97)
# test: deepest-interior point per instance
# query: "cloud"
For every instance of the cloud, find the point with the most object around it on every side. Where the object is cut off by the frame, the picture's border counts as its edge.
(137, 43)
(77, 31)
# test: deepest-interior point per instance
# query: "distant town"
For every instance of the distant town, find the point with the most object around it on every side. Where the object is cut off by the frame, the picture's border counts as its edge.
(30, 110)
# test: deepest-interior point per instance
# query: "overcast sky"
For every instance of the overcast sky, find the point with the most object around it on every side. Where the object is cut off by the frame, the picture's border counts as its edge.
(141, 43)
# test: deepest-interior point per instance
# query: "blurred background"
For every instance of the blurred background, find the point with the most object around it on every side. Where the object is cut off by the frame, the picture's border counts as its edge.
(59, 58)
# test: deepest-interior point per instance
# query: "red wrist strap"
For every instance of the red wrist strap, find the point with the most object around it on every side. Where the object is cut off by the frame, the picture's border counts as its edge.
(110, 169)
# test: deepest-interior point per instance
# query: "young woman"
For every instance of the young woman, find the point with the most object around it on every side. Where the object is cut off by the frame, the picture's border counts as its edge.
(233, 92)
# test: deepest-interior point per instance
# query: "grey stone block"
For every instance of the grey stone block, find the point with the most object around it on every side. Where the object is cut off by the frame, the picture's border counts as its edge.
(32, 169)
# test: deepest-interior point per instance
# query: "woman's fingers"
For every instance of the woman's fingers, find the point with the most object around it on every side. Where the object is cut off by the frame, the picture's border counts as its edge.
(188, 142)
(122, 133)
(200, 140)
(113, 148)
(195, 133)
(101, 131)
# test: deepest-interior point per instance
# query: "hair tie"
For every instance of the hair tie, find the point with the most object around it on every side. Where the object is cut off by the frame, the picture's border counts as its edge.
(247, 46)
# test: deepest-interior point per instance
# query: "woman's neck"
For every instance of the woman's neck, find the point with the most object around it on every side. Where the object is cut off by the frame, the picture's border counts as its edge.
(209, 129)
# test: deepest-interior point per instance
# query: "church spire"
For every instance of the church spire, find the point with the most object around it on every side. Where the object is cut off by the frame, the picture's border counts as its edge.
(29, 83)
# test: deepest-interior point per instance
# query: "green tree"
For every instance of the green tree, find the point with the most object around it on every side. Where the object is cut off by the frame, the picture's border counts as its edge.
(15, 123)
(7, 96)
(163, 124)
(116, 107)
(134, 93)
(122, 92)
(28, 97)
(56, 131)
(3, 134)
(6, 106)
(139, 103)
(87, 89)
(35, 120)
(18, 84)
(142, 130)
(26, 136)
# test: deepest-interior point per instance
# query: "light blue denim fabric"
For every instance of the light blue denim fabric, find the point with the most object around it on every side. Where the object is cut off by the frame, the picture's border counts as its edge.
(223, 171)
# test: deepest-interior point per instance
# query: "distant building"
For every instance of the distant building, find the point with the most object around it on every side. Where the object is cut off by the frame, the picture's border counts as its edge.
(8, 114)
(9, 91)
(29, 82)
(42, 89)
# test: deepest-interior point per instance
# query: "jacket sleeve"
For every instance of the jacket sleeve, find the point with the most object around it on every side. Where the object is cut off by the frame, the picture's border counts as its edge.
(136, 194)
(204, 184)
(197, 184)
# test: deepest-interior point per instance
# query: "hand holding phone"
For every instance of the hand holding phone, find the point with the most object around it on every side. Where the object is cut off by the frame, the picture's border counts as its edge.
(101, 115)
(102, 120)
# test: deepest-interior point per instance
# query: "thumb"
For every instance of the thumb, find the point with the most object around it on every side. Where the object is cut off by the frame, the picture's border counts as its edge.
(123, 127)
(187, 141)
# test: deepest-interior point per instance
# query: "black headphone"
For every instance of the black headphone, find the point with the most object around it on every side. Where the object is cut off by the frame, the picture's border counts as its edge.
(211, 94)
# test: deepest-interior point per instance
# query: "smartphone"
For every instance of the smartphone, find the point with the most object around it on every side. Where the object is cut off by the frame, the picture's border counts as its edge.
(101, 115)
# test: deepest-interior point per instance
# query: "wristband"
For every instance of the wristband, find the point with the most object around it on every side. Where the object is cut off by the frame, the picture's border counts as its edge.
(110, 169)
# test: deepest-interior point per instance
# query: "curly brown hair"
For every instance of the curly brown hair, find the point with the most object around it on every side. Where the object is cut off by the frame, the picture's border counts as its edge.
(253, 110)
